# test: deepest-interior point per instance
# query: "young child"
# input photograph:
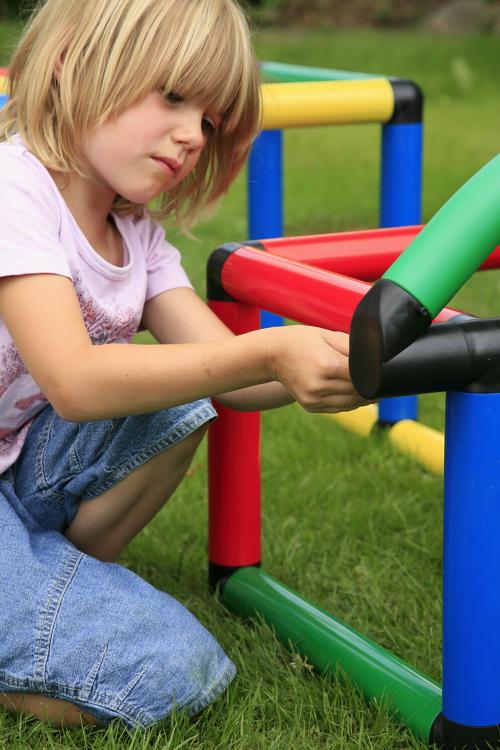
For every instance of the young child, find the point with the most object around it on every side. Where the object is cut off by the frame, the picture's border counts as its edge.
(114, 103)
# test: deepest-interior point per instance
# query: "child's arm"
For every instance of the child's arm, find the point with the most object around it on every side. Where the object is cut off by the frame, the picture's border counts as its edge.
(180, 315)
(85, 382)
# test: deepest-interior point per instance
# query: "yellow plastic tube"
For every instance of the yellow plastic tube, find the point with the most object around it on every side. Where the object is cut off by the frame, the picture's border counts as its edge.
(359, 421)
(422, 443)
(293, 105)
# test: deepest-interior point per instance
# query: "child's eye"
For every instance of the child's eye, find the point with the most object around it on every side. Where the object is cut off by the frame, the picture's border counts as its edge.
(172, 96)
(208, 125)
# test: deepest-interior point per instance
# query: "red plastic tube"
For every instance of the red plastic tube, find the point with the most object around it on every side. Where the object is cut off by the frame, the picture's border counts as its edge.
(295, 290)
(308, 295)
(234, 467)
(365, 254)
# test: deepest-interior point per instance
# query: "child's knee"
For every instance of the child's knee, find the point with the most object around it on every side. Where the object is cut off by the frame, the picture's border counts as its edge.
(144, 656)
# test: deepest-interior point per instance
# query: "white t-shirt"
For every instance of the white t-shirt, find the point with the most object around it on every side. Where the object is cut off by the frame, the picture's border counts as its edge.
(38, 234)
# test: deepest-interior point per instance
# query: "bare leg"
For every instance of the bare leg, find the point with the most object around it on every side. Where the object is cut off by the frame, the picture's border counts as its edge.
(102, 528)
(56, 712)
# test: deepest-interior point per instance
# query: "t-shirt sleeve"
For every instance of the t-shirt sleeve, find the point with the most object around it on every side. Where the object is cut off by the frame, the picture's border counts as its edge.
(29, 219)
(163, 260)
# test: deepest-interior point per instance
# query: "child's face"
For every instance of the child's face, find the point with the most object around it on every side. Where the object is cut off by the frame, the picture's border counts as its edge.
(151, 147)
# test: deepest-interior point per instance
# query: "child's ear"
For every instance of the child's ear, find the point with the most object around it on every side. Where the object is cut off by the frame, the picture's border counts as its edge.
(59, 65)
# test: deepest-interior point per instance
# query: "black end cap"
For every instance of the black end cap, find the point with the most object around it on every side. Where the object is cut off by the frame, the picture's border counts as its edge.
(386, 321)
(439, 360)
(215, 263)
(449, 735)
(218, 574)
(408, 102)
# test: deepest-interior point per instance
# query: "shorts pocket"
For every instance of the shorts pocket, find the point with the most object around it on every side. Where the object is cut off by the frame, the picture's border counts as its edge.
(66, 449)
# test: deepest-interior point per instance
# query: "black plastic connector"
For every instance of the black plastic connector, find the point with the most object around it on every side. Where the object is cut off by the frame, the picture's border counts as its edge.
(218, 574)
(449, 735)
(462, 354)
(408, 102)
(384, 323)
(215, 264)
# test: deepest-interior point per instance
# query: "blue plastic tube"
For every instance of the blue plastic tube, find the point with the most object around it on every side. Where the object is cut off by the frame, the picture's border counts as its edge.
(471, 567)
(265, 196)
(400, 205)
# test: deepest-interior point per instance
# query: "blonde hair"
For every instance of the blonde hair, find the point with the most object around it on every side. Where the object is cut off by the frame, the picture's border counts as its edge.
(117, 51)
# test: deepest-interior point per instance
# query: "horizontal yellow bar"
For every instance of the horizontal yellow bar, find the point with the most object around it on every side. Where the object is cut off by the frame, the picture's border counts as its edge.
(294, 105)
(422, 443)
(4, 85)
(359, 421)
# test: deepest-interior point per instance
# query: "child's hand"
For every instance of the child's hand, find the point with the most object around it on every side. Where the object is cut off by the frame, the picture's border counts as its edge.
(312, 364)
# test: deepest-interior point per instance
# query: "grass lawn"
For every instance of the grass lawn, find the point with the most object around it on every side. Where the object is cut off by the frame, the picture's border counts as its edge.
(349, 523)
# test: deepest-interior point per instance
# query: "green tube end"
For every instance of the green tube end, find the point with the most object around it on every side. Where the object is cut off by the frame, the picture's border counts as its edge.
(454, 243)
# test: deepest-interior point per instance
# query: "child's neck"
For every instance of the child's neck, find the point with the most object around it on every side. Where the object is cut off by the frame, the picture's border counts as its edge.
(90, 205)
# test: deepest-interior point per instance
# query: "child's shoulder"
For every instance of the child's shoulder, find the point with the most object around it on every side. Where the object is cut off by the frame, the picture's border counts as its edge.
(14, 148)
(24, 181)
(18, 163)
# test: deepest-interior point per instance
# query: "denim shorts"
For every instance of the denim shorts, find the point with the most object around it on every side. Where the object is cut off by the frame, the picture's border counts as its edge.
(72, 627)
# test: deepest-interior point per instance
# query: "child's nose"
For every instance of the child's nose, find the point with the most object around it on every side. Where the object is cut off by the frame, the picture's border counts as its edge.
(190, 131)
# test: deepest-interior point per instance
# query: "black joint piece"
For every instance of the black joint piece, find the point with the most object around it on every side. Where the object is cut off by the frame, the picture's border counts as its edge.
(384, 323)
(218, 574)
(408, 102)
(449, 735)
(483, 339)
(462, 354)
(215, 263)
(439, 360)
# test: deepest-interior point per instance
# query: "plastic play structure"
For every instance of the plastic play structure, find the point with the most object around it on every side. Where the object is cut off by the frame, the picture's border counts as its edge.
(396, 349)
(300, 96)
(303, 96)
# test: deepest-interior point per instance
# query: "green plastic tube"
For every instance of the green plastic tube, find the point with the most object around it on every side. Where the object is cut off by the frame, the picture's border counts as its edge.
(329, 644)
(454, 243)
(283, 73)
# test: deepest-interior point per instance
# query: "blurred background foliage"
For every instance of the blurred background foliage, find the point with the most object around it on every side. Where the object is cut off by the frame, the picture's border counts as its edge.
(338, 12)
(355, 12)
(483, 15)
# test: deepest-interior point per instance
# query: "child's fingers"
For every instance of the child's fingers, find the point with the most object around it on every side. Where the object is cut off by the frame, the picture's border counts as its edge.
(340, 397)
(342, 371)
(337, 340)
(334, 404)
(340, 386)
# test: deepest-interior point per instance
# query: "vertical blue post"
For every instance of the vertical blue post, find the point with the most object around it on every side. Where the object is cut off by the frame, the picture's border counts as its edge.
(471, 567)
(265, 196)
(400, 205)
